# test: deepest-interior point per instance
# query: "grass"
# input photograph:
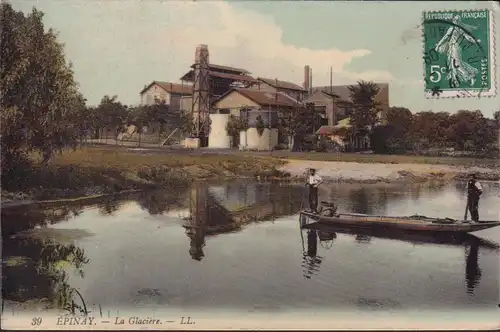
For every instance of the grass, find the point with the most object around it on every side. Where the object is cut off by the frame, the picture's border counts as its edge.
(95, 170)
(98, 170)
(122, 159)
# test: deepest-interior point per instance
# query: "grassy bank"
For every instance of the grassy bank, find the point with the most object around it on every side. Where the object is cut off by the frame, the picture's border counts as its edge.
(101, 170)
(105, 169)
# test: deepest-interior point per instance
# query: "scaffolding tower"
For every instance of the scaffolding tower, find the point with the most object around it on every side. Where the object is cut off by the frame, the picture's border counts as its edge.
(201, 95)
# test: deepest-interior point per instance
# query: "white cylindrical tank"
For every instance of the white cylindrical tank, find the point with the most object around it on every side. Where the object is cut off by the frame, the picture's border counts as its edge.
(265, 142)
(218, 137)
(243, 140)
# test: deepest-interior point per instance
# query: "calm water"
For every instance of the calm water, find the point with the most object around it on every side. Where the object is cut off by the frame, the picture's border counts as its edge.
(182, 250)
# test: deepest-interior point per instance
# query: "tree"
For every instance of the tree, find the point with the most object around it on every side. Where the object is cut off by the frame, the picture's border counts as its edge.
(234, 126)
(40, 100)
(259, 125)
(138, 116)
(186, 123)
(496, 115)
(113, 115)
(464, 127)
(364, 108)
(431, 129)
(295, 121)
(395, 136)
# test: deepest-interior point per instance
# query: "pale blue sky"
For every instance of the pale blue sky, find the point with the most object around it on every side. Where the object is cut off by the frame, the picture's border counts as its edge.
(117, 47)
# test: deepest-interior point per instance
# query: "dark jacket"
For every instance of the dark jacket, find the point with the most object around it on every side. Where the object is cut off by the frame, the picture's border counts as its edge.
(472, 190)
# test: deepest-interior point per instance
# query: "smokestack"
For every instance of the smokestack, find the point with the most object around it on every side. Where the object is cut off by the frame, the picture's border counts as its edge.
(306, 78)
(331, 80)
(310, 80)
(201, 54)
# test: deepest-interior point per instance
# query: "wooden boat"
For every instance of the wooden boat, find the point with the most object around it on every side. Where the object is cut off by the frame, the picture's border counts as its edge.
(411, 223)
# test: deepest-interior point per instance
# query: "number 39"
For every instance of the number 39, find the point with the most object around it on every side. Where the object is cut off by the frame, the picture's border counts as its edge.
(436, 72)
(36, 321)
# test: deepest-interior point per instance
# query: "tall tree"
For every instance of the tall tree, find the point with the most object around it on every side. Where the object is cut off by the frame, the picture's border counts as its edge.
(40, 98)
(471, 130)
(431, 129)
(395, 136)
(113, 115)
(296, 122)
(364, 108)
(138, 116)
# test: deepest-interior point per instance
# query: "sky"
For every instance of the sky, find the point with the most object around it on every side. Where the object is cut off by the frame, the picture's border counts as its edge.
(118, 47)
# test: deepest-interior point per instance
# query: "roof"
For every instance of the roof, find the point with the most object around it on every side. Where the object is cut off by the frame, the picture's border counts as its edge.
(344, 123)
(341, 91)
(322, 94)
(226, 68)
(326, 130)
(264, 98)
(281, 84)
(184, 89)
(331, 130)
(189, 76)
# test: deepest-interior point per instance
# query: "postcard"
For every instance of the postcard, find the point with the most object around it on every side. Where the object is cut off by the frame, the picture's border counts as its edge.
(191, 165)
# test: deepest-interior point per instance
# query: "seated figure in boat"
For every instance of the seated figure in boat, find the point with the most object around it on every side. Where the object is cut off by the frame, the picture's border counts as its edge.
(328, 209)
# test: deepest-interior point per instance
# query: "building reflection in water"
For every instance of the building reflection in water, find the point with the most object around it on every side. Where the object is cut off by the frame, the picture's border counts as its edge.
(225, 208)
(207, 215)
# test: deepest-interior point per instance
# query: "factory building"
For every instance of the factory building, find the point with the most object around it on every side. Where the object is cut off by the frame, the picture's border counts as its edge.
(274, 85)
(211, 93)
(252, 105)
(167, 92)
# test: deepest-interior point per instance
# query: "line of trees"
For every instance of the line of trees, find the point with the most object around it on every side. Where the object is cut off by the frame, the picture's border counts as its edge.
(465, 130)
(112, 115)
(41, 108)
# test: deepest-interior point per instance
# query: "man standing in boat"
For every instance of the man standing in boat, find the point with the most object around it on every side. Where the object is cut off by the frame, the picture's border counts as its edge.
(474, 191)
(313, 181)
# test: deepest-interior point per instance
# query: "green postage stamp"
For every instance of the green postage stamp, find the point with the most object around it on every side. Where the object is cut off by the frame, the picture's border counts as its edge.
(459, 53)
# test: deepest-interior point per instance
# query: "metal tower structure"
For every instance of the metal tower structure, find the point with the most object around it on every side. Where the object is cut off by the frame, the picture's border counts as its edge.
(201, 95)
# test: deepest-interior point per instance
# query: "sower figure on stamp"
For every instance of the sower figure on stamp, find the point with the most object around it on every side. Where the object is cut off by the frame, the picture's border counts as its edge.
(313, 181)
(474, 191)
(458, 69)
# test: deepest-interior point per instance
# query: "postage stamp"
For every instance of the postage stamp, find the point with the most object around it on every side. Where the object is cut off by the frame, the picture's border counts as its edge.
(459, 53)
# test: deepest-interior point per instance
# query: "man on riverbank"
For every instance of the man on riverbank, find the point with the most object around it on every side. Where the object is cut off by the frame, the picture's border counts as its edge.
(313, 181)
(474, 191)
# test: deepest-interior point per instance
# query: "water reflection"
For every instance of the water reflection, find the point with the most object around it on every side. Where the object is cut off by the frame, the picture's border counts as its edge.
(471, 244)
(472, 270)
(226, 208)
(310, 260)
(40, 268)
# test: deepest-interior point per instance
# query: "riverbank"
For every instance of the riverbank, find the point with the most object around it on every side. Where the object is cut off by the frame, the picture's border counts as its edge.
(377, 172)
(94, 172)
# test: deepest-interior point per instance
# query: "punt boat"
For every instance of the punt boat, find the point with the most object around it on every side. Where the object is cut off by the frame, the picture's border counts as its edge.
(410, 223)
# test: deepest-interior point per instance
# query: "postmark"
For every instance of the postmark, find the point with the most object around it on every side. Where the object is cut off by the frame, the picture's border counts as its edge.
(459, 53)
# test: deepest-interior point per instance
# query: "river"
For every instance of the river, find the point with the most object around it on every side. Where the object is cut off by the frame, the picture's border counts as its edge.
(183, 251)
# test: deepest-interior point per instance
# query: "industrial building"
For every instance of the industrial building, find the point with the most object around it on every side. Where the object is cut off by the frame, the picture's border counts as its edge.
(214, 92)
(251, 104)
(167, 92)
